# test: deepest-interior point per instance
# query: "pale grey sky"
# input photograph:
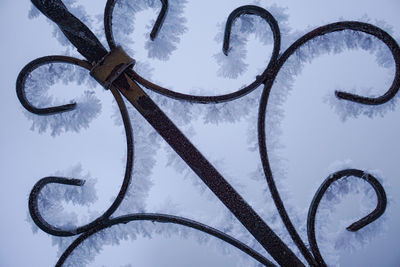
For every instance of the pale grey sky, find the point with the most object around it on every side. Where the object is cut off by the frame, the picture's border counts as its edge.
(313, 134)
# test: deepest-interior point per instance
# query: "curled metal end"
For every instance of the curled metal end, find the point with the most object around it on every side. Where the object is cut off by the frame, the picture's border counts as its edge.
(380, 207)
(358, 27)
(395, 51)
(375, 214)
(34, 208)
(250, 10)
(108, 14)
(369, 100)
(269, 73)
(29, 68)
(105, 217)
(160, 20)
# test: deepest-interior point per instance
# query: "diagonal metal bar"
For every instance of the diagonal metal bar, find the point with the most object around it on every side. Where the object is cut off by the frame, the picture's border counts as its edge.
(207, 173)
(90, 47)
(123, 80)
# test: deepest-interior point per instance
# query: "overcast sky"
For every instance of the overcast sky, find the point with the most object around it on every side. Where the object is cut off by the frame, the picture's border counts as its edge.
(313, 135)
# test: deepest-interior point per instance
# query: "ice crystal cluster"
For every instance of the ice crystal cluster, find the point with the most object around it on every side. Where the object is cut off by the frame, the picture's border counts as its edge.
(147, 142)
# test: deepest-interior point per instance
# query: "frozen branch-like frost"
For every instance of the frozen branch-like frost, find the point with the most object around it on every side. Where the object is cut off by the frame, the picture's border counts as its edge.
(37, 86)
(147, 142)
(52, 198)
(333, 232)
(169, 35)
(233, 65)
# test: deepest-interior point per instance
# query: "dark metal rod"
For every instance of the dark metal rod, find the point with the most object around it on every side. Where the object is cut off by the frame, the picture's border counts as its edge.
(329, 28)
(30, 67)
(34, 195)
(206, 171)
(163, 218)
(375, 214)
(108, 15)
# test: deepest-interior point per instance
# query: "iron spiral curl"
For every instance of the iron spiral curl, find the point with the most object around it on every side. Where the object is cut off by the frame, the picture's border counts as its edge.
(374, 215)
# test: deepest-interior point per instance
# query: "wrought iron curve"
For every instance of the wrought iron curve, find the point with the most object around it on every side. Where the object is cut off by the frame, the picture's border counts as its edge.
(375, 214)
(92, 49)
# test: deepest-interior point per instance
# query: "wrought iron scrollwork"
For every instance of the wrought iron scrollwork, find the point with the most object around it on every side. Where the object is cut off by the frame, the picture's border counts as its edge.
(312, 255)
(30, 67)
(375, 214)
(339, 26)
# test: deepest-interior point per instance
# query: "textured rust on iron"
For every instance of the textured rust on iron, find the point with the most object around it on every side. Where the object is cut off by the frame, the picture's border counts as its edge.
(111, 66)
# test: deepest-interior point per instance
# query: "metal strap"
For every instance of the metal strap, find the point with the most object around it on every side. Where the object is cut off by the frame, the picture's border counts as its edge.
(111, 66)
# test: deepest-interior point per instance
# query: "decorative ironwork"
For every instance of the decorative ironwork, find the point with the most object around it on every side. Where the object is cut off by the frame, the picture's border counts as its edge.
(124, 80)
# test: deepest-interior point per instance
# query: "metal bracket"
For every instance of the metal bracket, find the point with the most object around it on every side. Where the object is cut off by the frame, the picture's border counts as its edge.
(111, 66)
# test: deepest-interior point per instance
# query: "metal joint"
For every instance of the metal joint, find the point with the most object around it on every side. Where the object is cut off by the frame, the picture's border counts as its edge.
(111, 66)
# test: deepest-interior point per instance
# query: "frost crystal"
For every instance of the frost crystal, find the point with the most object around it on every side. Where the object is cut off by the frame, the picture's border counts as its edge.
(147, 142)
(168, 36)
(37, 86)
